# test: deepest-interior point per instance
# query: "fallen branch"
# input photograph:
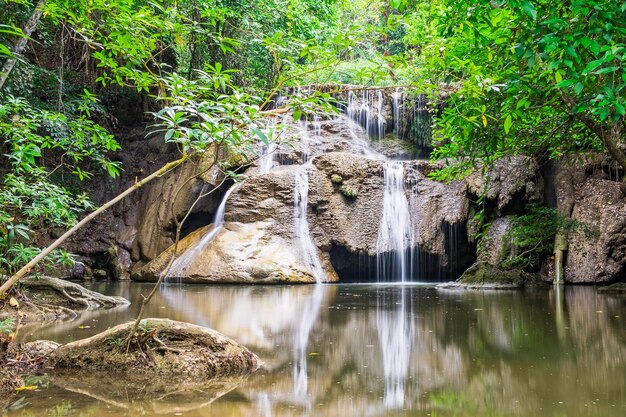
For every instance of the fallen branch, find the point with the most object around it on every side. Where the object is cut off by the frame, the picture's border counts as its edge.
(29, 266)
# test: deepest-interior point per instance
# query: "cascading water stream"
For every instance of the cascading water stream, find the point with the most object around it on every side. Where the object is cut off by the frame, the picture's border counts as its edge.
(181, 263)
(395, 235)
(309, 251)
(302, 231)
(266, 162)
(398, 110)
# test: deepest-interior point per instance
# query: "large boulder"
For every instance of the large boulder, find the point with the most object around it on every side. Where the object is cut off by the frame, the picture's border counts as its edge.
(597, 246)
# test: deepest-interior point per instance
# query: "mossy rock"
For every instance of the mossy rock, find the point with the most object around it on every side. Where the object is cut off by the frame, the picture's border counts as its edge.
(481, 274)
(161, 347)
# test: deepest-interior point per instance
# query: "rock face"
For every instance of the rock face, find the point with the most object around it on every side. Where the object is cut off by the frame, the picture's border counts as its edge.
(257, 243)
(597, 250)
(494, 247)
(511, 181)
(262, 241)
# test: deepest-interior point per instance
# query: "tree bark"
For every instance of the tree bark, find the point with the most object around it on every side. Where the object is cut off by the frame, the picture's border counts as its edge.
(564, 190)
(610, 133)
(21, 43)
(29, 266)
(612, 137)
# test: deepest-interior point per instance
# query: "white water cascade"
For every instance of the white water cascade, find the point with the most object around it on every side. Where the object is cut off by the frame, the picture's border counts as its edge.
(395, 235)
(266, 162)
(367, 110)
(181, 263)
(396, 332)
(398, 112)
(309, 251)
(302, 231)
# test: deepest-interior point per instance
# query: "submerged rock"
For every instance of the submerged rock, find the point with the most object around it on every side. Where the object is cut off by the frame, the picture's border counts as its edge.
(148, 394)
(618, 288)
(161, 347)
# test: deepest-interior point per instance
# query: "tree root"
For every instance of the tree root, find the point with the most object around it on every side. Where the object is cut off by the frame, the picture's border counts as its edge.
(75, 295)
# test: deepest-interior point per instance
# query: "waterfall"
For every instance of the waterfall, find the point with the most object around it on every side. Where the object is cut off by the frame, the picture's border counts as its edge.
(181, 263)
(266, 162)
(395, 334)
(368, 111)
(395, 235)
(398, 112)
(302, 231)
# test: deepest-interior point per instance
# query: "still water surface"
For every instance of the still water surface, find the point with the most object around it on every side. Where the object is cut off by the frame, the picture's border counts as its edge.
(365, 350)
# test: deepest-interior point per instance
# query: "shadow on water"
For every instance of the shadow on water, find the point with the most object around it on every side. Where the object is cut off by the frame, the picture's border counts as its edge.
(376, 350)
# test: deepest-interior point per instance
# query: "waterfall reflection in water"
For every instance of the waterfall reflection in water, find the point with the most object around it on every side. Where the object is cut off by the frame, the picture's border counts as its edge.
(309, 316)
(396, 331)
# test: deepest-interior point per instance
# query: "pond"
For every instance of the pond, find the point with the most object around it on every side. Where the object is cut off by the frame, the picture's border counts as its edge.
(369, 350)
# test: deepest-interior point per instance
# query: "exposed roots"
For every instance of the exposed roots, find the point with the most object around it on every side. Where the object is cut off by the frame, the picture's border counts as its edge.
(74, 294)
(159, 346)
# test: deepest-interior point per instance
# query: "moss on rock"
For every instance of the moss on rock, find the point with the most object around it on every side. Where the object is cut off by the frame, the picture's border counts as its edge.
(483, 274)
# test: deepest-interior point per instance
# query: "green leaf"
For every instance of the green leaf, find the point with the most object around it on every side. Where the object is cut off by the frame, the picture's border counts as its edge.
(592, 66)
(261, 135)
(565, 83)
(508, 122)
(529, 9)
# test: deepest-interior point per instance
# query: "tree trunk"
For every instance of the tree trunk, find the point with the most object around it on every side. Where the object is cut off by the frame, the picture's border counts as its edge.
(612, 137)
(29, 266)
(564, 190)
(21, 43)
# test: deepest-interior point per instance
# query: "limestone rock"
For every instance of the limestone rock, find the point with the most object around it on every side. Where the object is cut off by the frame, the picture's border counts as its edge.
(241, 253)
(494, 246)
(154, 227)
(509, 178)
(597, 249)
(258, 242)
